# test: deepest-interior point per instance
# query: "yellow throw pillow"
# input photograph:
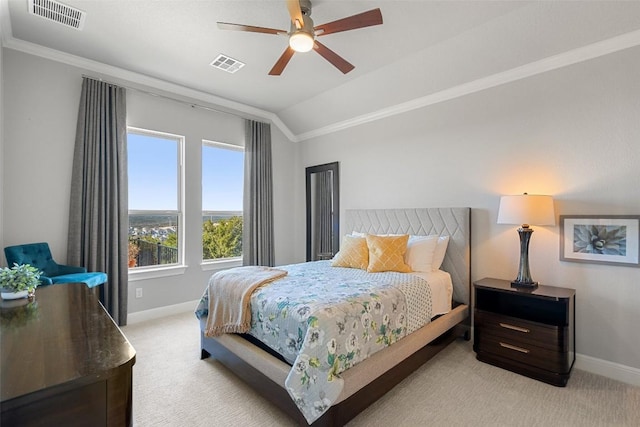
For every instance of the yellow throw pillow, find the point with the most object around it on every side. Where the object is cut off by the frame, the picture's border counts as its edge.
(386, 253)
(353, 253)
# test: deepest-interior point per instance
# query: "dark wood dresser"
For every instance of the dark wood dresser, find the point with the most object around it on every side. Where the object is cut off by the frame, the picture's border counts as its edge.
(64, 361)
(524, 330)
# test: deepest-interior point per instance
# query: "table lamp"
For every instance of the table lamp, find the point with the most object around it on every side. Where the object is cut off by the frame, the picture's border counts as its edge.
(526, 210)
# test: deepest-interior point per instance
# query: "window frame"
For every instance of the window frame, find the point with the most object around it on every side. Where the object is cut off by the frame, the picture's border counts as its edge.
(219, 263)
(154, 271)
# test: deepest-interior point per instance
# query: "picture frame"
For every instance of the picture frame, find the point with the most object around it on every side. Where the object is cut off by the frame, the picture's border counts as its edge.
(600, 239)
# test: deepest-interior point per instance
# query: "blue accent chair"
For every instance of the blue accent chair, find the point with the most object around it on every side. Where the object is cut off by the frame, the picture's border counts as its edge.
(39, 256)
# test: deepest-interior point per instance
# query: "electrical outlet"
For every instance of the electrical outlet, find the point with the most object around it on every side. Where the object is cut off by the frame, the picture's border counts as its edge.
(138, 292)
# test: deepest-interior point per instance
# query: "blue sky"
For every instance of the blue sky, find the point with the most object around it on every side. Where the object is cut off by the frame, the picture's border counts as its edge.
(153, 169)
(222, 179)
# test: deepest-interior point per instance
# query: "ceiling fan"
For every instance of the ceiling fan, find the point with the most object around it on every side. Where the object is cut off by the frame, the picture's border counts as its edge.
(303, 34)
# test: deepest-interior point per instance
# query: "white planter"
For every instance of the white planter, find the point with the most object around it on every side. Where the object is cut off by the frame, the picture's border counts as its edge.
(14, 295)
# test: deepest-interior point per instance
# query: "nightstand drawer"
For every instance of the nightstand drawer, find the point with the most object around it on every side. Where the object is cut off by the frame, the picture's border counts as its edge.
(550, 337)
(530, 331)
(532, 355)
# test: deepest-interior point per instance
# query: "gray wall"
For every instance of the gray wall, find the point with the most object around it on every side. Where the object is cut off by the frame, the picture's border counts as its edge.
(41, 105)
(572, 133)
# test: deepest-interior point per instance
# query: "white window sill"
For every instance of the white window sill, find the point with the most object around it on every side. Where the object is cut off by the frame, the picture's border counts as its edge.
(143, 273)
(221, 264)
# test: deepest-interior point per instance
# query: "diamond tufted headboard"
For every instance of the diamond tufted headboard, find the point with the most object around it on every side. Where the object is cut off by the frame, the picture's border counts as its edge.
(453, 222)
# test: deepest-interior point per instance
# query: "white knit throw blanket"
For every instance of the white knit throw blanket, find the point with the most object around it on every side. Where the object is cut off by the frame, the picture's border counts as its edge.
(230, 295)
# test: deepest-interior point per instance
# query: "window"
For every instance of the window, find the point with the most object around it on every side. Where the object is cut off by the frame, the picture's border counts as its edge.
(222, 192)
(155, 198)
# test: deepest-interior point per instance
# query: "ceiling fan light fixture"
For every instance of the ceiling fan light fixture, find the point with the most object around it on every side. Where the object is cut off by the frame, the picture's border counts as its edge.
(301, 41)
(302, 33)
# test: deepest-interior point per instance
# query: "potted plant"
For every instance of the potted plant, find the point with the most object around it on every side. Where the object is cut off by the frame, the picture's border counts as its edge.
(19, 281)
(133, 254)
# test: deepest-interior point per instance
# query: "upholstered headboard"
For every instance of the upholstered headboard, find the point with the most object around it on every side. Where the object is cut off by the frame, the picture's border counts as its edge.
(453, 222)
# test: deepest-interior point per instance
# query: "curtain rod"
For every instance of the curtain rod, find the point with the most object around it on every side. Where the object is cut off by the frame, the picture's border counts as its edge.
(146, 92)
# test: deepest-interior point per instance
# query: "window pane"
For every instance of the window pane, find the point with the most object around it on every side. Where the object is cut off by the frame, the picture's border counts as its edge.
(222, 192)
(153, 239)
(153, 172)
(154, 181)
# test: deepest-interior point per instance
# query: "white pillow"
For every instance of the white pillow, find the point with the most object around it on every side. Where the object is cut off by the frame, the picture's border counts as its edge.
(438, 253)
(420, 252)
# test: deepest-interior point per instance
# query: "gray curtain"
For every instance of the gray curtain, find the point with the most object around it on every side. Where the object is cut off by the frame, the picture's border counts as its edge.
(98, 217)
(257, 227)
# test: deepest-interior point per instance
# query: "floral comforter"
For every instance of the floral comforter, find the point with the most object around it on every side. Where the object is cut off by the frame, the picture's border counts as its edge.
(324, 320)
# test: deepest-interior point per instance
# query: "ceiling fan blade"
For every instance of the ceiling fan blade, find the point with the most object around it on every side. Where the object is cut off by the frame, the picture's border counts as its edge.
(282, 62)
(361, 20)
(250, 28)
(336, 60)
(295, 11)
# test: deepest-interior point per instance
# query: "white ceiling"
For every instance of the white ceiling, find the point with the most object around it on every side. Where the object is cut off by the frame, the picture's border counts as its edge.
(425, 51)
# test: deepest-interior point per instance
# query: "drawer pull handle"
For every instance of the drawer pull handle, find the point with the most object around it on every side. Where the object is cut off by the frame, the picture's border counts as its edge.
(515, 328)
(513, 347)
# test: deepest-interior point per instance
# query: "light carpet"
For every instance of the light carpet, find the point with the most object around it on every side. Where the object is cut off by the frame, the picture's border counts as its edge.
(173, 387)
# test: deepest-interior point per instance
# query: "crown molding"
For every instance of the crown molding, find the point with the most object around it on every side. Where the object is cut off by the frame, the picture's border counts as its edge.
(551, 63)
(554, 62)
(222, 104)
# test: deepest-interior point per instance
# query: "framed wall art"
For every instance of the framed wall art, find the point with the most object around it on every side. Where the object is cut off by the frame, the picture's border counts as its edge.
(601, 239)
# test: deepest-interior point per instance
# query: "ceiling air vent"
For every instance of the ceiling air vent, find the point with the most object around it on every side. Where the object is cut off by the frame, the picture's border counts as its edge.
(58, 12)
(227, 64)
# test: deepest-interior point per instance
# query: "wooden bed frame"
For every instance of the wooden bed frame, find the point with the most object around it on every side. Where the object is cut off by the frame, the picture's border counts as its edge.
(377, 375)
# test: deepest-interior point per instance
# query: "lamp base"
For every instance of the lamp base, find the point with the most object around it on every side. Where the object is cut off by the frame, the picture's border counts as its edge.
(527, 285)
(524, 279)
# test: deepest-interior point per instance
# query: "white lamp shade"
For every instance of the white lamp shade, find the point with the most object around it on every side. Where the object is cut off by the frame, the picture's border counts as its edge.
(526, 209)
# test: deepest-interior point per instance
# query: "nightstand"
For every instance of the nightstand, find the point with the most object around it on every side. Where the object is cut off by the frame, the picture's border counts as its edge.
(528, 331)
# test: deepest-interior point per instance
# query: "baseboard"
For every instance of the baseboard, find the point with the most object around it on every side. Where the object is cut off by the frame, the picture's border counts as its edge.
(612, 370)
(156, 313)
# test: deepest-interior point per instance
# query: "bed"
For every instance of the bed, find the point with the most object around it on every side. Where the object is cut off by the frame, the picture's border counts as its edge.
(365, 382)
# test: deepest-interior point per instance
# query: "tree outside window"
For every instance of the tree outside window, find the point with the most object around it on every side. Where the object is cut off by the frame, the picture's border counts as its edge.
(222, 194)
